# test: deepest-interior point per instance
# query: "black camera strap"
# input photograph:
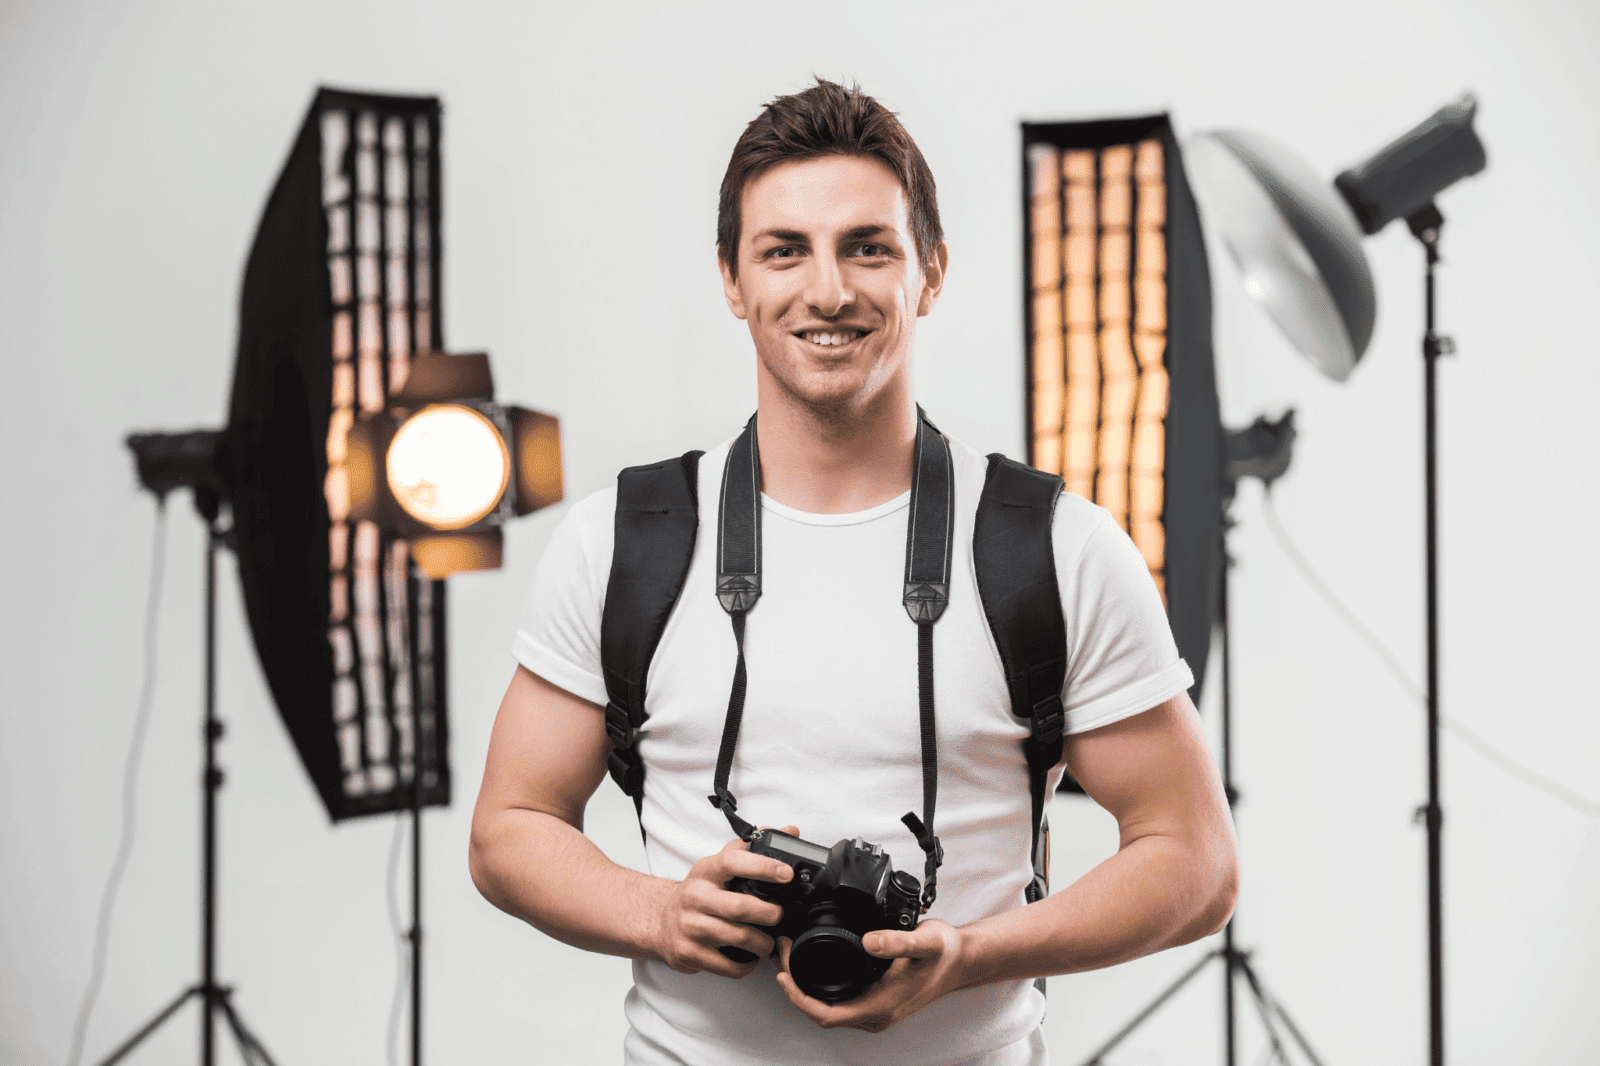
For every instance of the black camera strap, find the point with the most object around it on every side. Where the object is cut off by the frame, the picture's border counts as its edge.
(929, 531)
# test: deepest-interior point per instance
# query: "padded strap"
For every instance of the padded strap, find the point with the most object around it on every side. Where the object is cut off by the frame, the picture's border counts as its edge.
(739, 524)
(931, 525)
(1015, 563)
(657, 520)
(926, 594)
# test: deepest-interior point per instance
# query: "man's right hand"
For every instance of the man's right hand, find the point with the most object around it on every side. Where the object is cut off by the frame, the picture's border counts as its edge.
(700, 915)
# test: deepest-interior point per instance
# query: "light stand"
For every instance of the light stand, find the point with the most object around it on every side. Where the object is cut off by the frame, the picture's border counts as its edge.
(1262, 451)
(1425, 223)
(1275, 220)
(214, 998)
(419, 757)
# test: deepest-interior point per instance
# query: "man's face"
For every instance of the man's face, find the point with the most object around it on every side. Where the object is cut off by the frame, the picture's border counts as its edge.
(829, 280)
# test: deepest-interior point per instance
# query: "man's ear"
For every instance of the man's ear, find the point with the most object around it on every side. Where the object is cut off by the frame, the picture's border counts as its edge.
(933, 273)
(730, 289)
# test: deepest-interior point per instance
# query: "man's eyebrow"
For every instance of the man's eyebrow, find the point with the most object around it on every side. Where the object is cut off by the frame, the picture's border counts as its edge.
(794, 236)
(791, 236)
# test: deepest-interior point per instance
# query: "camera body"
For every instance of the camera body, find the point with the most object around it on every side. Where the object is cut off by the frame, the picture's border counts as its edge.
(837, 896)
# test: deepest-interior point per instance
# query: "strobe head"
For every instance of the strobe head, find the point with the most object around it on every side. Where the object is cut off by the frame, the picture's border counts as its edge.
(1406, 175)
(192, 460)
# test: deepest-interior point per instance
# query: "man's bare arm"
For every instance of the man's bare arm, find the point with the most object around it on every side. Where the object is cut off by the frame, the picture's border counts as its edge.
(1173, 880)
(1174, 876)
(530, 858)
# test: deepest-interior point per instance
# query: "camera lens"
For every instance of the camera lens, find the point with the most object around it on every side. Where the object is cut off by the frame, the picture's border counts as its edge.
(829, 963)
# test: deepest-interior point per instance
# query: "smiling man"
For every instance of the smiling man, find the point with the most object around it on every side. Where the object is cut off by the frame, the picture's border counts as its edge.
(830, 248)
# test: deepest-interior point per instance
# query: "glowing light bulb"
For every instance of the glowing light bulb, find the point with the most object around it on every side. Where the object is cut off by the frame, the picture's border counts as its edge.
(448, 466)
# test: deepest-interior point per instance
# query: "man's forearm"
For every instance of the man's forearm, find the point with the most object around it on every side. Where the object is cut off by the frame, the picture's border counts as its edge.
(1156, 892)
(539, 868)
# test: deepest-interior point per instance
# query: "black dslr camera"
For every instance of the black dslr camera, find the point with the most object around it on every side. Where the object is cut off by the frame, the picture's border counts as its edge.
(837, 896)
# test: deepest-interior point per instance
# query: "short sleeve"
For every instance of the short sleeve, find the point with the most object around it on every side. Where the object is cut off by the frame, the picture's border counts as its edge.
(559, 638)
(1121, 658)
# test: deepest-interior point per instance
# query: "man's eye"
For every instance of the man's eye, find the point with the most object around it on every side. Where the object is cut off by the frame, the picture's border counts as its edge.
(783, 252)
(871, 251)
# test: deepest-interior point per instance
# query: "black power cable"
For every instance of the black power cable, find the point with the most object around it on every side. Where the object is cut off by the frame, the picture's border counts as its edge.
(130, 783)
(1466, 735)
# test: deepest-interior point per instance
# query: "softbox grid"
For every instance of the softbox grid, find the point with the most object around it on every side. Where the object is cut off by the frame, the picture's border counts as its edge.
(1121, 392)
(340, 292)
(1099, 330)
(380, 171)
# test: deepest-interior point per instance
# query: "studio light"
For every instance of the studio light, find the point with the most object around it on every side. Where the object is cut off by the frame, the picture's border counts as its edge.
(444, 467)
(447, 466)
(1296, 244)
(1122, 399)
(1406, 175)
(360, 465)
(1297, 240)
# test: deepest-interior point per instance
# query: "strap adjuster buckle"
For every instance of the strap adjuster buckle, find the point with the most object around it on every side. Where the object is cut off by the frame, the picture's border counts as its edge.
(627, 770)
(1049, 719)
(620, 727)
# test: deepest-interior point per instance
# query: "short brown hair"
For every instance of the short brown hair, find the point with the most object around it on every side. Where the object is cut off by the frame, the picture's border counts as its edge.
(827, 119)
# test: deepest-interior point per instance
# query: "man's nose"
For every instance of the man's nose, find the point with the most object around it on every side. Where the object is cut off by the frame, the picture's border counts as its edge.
(828, 289)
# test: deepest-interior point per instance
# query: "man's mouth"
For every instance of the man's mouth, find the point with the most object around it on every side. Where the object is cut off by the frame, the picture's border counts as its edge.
(831, 338)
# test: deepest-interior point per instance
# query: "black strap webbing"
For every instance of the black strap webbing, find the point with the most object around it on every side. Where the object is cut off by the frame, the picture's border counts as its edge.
(1016, 571)
(657, 520)
(738, 589)
(926, 595)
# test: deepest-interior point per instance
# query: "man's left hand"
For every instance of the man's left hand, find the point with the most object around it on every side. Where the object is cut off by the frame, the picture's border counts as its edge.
(926, 966)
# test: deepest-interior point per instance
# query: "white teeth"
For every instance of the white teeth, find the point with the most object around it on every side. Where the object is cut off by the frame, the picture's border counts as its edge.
(830, 339)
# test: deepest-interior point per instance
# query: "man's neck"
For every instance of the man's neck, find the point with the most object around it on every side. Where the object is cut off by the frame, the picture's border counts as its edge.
(836, 462)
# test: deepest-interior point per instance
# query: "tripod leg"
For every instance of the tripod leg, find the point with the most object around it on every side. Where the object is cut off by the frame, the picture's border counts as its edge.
(1265, 1009)
(1138, 1019)
(249, 1047)
(1268, 1003)
(1277, 1008)
(151, 1026)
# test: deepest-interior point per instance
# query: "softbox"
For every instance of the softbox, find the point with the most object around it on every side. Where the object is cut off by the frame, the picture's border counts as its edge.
(340, 291)
(1121, 389)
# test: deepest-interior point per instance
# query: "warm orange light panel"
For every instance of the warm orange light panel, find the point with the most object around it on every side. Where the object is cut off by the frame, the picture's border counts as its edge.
(1098, 338)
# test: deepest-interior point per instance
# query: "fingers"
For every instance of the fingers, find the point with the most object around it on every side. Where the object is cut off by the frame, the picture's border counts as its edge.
(748, 937)
(922, 971)
(925, 942)
(756, 867)
(734, 861)
(712, 897)
(874, 1011)
(695, 947)
(703, 915)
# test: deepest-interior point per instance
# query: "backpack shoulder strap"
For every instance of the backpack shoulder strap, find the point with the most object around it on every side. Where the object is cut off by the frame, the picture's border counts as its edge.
(657, 519)
(1015, 563)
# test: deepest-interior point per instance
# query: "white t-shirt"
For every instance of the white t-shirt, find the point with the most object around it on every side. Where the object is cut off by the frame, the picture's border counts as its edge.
(830, 740)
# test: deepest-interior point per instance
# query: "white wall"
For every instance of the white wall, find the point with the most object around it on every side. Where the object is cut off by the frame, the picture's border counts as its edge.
(584, 144)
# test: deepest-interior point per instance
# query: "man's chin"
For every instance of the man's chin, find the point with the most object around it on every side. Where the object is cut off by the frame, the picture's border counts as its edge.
(832, 397)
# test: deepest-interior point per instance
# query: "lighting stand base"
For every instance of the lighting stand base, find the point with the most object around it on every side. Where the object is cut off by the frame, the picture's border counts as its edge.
(215, 999)
(1238, 965)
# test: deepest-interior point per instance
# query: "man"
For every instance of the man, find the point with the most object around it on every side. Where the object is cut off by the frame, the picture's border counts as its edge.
(830, 248)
